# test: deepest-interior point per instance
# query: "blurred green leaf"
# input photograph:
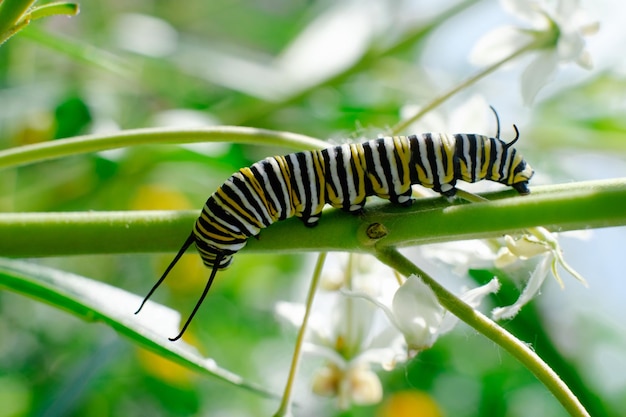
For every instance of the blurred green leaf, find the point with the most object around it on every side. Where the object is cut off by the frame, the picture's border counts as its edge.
(16, 15)
(96, 301)
(72, 117)
(51, 9)
(11, 13)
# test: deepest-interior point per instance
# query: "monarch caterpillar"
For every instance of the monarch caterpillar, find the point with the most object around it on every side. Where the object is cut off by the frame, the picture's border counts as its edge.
(301, 184)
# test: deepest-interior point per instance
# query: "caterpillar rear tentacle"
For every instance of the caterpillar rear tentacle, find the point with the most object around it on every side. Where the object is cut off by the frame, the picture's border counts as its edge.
(301, 184)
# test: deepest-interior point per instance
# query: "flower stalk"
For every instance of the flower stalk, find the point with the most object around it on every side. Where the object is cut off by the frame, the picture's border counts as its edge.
(284, 410)
(488, 328)
(538, 43)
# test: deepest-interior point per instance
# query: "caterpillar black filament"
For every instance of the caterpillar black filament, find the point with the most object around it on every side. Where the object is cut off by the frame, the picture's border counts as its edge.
(301, 184)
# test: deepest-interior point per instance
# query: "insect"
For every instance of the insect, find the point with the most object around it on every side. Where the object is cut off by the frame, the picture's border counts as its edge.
(301, 184)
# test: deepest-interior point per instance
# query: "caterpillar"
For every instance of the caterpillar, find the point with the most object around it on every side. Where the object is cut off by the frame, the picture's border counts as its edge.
(301, 184)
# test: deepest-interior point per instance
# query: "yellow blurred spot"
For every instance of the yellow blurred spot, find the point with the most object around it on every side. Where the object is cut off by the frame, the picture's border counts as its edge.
(165, 369)
(409, 404)
(38, 127)
(156, 197)
(189, 275)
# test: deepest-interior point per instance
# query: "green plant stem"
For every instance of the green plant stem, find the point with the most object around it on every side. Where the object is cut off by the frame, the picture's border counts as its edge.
(570, 206)
(437, 101)
(23, 155)
(285, 405)
(83, 52)
(488, 328)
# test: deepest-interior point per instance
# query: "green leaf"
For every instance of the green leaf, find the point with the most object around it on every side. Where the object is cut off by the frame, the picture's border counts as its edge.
(11, 17)
(15, 15)
(95, 301)
(51, 9)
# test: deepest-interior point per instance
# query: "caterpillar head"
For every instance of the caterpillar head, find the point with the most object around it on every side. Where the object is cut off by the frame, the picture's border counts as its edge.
(519, 172)
(521, 175)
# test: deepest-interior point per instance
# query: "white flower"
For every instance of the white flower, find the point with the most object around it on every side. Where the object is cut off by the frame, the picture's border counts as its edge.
(349, 334)
(355, 385)
(346, 340)
(417, 314)
(540, 243)
(556, 33)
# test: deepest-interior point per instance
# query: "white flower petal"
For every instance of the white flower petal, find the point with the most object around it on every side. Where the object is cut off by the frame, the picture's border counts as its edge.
(527, 10)
(566, 9)
(324, 352)
(364, 386)
(504, 258)
(537, 74)
(570, 46)
(560, 24)
(417, 312)
(376, 301)
(498, 44)
(290, 313)
(584, 60)
(318, 331)
(532, 287)
(473, 298)
(387, 358)
(525, 247)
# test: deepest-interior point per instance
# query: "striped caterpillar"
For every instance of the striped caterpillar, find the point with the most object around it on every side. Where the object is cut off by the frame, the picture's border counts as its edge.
(301, 184)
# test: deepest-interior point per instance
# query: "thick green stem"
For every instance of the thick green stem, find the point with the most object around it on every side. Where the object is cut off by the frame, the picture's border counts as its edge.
(571, 206)
(488, 328)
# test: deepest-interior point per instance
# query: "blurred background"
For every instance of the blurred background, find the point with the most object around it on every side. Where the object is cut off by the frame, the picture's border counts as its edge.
(334, 70)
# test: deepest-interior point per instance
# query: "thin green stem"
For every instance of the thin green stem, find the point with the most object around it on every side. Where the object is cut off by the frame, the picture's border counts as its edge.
(83, 52)
(437, 101)
(14, 157)
(488, 328)
(285, 405)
